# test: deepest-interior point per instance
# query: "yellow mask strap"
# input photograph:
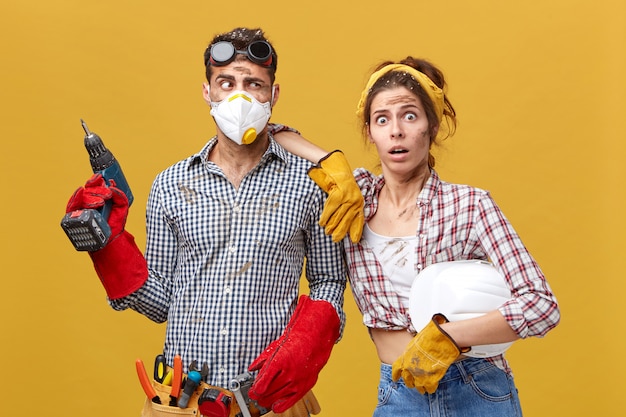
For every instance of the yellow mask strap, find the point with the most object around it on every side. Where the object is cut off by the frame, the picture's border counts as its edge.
(434, 92)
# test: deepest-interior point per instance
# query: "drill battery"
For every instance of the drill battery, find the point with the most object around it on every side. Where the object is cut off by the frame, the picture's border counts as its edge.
(88, 230)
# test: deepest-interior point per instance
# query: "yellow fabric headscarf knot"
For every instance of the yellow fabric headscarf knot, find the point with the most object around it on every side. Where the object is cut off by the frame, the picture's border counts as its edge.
(434, 92)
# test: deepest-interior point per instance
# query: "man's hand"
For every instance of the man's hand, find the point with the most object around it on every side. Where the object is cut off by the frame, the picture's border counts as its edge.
(94, 195)
(343, 211)
(289, 366)
(120, 265)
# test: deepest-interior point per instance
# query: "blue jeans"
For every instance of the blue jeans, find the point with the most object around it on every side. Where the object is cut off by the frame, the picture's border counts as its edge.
(471, 388)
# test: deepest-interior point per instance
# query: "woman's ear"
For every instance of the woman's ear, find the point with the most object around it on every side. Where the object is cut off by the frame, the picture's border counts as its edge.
(369, 133)
(433, 133)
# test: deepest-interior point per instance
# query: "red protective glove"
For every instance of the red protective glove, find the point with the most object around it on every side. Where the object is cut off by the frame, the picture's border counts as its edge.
(120, 264)
(289, 367)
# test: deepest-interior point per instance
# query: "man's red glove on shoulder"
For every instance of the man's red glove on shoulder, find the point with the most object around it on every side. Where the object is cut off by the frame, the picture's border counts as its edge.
(290, 365)
(120, 264)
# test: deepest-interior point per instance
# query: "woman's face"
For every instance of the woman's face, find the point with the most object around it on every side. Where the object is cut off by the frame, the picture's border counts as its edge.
(400, 131)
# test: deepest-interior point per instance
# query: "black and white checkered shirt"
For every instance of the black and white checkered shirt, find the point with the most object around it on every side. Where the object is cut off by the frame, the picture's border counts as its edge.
(225, 263)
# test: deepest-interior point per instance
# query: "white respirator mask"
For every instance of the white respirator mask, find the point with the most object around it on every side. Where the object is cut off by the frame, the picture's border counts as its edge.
(241, 117)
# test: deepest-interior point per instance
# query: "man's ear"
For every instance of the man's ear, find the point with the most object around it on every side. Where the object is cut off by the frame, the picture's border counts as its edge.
(275, 93)
(205, 92)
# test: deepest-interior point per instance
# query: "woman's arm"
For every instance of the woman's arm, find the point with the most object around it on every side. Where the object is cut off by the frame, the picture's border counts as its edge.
(343, 210)
(487, 329)
(298, 145)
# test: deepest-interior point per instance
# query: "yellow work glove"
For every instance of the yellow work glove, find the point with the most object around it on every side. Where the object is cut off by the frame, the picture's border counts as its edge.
(427, 357)
(343, 211)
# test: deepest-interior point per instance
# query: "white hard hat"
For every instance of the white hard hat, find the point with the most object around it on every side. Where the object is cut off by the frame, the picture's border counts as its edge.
(459, 290)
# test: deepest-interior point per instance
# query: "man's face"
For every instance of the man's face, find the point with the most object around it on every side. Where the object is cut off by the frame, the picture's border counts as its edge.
(240, 75)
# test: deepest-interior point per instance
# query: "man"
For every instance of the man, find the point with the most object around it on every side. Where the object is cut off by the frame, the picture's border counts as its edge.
(228, 230)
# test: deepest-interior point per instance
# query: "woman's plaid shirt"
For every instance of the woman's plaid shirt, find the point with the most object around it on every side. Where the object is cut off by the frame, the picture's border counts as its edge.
(457, 222)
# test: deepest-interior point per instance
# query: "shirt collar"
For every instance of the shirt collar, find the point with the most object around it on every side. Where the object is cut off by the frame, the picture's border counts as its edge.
(426, 194)
(274, 150)
(430, 188)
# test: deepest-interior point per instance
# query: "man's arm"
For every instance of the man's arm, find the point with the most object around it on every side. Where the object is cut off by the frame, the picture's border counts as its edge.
(290, 366)
(153, 298)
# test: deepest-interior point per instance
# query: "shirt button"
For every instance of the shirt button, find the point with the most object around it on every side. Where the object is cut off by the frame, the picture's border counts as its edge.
(227, 290)
(419, 267)
(224, 331)
(222, 370)
(237, 208)
(232, 249)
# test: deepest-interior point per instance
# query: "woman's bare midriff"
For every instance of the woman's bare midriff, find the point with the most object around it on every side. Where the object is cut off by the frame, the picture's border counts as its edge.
(390, 344)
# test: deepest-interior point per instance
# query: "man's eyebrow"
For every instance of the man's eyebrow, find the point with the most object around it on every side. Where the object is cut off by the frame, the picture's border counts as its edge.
(247, 79)
(256, 80)
(225, 76)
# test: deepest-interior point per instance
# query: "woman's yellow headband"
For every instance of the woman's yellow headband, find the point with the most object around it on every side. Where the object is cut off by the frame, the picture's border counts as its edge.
(434, 92)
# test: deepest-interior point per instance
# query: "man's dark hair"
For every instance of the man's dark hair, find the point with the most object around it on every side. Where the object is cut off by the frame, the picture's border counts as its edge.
(241, 38)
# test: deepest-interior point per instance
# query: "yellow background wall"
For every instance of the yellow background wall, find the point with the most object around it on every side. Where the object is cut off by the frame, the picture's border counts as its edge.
(540, 89)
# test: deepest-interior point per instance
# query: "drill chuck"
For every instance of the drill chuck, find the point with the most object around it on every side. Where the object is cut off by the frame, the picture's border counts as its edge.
(99, 156)
(103, 162)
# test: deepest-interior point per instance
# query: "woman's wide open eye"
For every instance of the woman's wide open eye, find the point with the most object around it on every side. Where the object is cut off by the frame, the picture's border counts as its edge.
(381, 120)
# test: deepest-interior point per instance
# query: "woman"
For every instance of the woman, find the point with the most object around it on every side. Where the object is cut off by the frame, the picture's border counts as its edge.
(404, 112)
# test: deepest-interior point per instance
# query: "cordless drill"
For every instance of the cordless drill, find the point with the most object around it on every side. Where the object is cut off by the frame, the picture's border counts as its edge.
(88, 229)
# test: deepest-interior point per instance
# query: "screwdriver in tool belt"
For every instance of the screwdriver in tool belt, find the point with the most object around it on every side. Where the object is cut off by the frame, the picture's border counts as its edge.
(193, 379)
(160, 368)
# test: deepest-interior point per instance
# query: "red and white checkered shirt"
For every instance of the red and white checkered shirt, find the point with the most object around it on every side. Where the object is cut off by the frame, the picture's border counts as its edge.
(457, 222)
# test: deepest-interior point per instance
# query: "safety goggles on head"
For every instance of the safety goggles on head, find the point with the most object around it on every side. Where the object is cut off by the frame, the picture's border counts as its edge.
(224, 52)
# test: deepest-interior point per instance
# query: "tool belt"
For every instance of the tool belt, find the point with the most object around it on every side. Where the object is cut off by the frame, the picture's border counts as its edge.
(228, 404)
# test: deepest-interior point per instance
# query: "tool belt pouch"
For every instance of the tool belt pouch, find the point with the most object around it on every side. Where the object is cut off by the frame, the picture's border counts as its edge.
(152, 409)
(307, 406)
